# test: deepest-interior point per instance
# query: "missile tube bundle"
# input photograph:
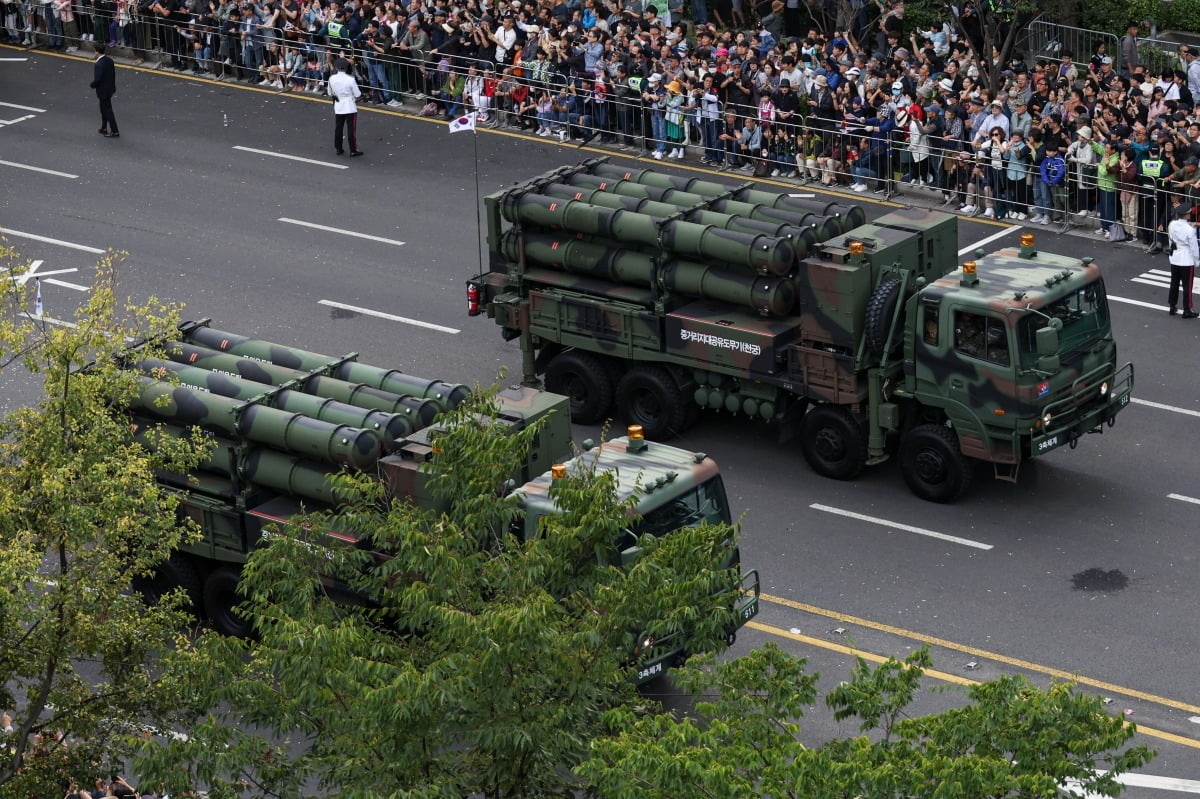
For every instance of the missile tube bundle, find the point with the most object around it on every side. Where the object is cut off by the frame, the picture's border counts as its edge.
(673, 236)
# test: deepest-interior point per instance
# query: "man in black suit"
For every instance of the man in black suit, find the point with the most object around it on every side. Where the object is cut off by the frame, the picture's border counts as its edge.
(105, 84)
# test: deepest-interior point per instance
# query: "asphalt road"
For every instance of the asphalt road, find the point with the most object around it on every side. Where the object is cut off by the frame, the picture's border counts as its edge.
(1090, 560)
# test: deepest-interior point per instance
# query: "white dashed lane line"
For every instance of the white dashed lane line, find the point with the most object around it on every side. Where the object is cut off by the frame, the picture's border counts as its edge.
(340, 231)
(390, 317)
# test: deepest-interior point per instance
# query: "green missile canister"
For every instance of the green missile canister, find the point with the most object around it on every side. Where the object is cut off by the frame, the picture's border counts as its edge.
(446, 395)
(803, 239)
(389, 426)
(824, 228)
(852, 216)
(421, 411)
(763, 254)
(769, 296)
(260, 465)
(294, 432)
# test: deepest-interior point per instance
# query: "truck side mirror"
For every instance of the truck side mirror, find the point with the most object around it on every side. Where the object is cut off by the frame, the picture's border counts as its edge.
(1047, 339)
(629, 556)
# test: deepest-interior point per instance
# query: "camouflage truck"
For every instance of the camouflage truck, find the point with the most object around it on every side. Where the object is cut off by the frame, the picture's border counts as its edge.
(285, 420)
(668, 295)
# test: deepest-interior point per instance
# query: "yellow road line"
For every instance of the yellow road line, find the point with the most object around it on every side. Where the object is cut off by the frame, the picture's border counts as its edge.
(937, 675)
(1109, 687)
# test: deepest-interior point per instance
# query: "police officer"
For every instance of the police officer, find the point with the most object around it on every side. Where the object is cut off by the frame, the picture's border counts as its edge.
(1150, 175)
(336, 32)
(1184, 255)
(343, 88)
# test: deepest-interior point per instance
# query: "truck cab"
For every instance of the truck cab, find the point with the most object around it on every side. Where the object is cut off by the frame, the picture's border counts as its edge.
(1014, 352)
(671, 489)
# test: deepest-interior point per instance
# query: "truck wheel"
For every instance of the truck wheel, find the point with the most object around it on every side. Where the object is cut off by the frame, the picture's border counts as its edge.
(177, 571)
(220, 598)
(582, 378)
(833, 442)
(649, 396)
(934, 467)
(880, 310)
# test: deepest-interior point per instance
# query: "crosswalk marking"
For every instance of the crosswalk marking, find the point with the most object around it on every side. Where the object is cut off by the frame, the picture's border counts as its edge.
(1160, 278)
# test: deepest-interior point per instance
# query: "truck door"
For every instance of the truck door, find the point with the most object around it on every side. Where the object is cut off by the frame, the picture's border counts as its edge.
(982, 377)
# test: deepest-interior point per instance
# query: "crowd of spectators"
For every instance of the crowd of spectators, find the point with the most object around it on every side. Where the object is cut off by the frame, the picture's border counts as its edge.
(53, 746)
(773, 87)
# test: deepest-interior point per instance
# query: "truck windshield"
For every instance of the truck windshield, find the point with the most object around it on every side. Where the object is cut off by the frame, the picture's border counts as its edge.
(704, 504)
(1084, 317)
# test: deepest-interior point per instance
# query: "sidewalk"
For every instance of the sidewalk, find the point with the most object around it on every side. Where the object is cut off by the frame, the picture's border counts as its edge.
(907, 194)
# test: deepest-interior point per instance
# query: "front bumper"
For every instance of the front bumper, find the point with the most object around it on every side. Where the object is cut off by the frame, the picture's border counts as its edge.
(655, 658)
(1084, 410)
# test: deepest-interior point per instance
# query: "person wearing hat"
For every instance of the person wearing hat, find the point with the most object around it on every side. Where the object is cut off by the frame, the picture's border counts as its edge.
(654, 98)
(1083, 155)
(1020, 119)
(1184, 255)
(678, 104)
(821, 106)
(879, 150)
(343, 88)
(1152, 172)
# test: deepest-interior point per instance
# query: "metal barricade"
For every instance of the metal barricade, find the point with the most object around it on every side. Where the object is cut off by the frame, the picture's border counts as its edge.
(1048, 40)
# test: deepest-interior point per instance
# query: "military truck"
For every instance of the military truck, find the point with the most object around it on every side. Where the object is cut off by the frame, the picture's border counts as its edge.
(667, 295)
(285, 420)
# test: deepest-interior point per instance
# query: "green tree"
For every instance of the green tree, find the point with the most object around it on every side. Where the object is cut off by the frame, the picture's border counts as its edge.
(476, 664)
(1010, 739)
(80, 516)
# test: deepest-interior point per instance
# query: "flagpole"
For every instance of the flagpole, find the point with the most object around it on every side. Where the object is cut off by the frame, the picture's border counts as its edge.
(478, 210)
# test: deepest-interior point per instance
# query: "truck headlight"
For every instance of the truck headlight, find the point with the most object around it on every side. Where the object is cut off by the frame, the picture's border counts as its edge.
(1046, 417)
(1104, 389)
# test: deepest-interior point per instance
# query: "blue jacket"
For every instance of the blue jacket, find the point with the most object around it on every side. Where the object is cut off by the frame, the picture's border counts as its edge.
(1054, 170)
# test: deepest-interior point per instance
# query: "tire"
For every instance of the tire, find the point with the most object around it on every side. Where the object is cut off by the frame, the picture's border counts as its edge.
(583, 379)
(881, 307)
(833, 442)
(649, 396)
(177, 571)
(934, 467)
(220, 599)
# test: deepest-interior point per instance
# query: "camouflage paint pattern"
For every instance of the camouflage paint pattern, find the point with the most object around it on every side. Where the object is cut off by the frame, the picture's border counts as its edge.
(421, 411)
(389, 426)
(293, 432)
(643, 471)
(1009, 403)
(803, 239)
(850, 216)
(445, 395)
(822, 226)
(858, 300)
(259, 465)
(769, 296)
(253, 478)
(407, 471)
(669, 237)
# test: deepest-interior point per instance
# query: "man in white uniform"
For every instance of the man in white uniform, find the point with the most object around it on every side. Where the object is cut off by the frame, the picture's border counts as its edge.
(343, 88)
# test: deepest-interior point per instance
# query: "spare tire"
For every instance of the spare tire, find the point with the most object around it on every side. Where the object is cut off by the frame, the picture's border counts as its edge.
(880, 310)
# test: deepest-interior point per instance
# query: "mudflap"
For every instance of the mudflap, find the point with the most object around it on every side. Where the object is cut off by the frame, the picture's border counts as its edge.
(1007, 472)
(788, 421)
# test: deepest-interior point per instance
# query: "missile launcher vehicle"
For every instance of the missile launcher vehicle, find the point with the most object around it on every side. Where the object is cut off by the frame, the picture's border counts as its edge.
(666, 295)
(284, 421)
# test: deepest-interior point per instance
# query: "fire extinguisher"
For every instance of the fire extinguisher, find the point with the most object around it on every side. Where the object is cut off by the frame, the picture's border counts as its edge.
(472, 299)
